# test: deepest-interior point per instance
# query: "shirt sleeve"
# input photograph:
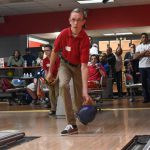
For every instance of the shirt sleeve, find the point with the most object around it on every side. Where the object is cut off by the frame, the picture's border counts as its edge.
(9, 61)
(57, 43)
(84, 50)
(44, 64)
(138, 48)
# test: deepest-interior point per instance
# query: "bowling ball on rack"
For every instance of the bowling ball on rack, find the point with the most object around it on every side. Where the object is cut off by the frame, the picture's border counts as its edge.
(18, 82)
(10, 73)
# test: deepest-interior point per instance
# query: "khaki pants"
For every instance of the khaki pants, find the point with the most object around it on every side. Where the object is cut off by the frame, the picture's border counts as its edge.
(53, 95)
(66, 72)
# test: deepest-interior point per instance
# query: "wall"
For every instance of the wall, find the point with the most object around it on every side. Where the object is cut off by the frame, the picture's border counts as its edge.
(104, 18)
(8, 44)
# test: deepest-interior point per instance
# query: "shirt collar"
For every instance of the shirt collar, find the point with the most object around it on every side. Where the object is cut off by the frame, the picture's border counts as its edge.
(80, 34)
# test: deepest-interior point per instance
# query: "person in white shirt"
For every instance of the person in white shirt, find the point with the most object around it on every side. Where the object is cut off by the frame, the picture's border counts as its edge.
(39, 60)
(94, 49)
(143, 54)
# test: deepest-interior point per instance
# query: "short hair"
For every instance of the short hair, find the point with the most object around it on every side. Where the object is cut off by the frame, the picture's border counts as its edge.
(80, 10)
(144, 34)
(49, 46)
(93, 55)
(109, 48)
(132, 44)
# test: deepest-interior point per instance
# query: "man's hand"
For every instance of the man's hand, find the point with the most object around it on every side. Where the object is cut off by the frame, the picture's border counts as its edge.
(54, 82)
(49, 77)
(87, 99)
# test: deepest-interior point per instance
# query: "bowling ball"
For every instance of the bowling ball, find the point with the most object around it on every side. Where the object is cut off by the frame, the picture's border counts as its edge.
(18, 82)
(10, 73)
(87, 114)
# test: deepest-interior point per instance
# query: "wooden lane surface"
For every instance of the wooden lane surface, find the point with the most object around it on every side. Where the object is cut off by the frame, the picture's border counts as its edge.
(111, 130)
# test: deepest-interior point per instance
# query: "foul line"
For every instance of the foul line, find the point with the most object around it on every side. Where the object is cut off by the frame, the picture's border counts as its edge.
(103, 109)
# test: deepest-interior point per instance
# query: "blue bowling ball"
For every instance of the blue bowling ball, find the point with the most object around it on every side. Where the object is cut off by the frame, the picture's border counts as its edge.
(87, 114)
(18, 82)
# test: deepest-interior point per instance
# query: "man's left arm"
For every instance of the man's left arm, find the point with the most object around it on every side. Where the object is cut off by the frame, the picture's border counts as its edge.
(84, 71)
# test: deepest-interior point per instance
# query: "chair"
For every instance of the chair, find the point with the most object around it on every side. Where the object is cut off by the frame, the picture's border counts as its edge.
(95, 89)
(131, 85)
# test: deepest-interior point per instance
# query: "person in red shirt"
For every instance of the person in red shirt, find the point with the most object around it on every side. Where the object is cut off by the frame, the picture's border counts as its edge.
(95, 71)
(54, 87)
(74, 45)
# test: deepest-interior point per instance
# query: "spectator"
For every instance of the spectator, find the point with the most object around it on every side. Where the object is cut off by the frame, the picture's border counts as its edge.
(16, 59)
(118, 68)
(39, 60)
(94, 49)
(95, 71)
(131, 64)
(29, 57)
(111, 59)
(104, 63)
(143, 54)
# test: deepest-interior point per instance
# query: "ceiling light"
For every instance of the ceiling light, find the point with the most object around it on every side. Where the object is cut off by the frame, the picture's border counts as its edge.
(93, 1)
(109, 34)
(125, 33)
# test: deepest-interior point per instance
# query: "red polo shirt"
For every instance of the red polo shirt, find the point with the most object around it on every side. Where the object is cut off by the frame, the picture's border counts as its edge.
(94, 73)
(74, 49)
(46, 61)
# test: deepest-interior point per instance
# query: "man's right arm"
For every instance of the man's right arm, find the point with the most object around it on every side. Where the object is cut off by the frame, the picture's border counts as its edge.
(139, 55)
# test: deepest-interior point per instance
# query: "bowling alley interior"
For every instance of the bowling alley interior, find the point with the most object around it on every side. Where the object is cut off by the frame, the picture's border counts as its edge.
(33, 108)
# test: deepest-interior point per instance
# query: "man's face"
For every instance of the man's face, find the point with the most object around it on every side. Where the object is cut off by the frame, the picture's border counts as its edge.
(108, 51)
(16, 54)
(144, 39)
(93, 59)
(47, 51)
(132, 48)
(76, 20)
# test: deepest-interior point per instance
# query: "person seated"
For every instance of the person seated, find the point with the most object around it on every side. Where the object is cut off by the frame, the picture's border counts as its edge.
(32, 87)
(104, 63)
(95, 71)
(39, 60)
(29, 57)
(16, 59)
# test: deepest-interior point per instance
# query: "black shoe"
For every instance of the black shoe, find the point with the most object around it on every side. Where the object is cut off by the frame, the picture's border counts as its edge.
(69, 130)
(52, 112)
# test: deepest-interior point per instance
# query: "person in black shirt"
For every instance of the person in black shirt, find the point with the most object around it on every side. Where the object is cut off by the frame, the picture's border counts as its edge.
(29, 57)
(111, 60)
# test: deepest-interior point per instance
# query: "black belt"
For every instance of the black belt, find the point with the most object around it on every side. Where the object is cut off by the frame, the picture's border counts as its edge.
(67, 62)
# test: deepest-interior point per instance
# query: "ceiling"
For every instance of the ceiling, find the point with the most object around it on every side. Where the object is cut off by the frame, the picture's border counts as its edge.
(18, 7)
